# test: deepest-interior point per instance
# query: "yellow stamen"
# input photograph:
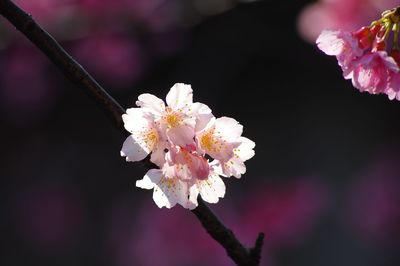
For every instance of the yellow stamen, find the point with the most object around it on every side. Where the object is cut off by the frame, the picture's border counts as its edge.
(207, 141)
(151, 138)
(172, 120)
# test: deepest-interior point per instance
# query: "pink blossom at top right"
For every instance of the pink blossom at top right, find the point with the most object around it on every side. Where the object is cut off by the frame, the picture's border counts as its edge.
(370, 56)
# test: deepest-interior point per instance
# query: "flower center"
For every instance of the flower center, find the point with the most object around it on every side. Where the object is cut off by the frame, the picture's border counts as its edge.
(207, 141)
(151, 138)
(172, 120)
(170, 183)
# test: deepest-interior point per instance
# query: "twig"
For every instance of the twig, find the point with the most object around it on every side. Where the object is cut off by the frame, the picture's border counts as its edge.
(235, 250)
(78, 75)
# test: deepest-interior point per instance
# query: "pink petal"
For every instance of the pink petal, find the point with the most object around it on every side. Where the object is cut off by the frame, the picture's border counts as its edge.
(181, 136)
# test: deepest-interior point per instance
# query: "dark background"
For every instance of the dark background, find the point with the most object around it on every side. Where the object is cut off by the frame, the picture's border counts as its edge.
(68, 198)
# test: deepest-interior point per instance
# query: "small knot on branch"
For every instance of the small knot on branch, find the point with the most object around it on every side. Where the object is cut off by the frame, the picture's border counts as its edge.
(255, 252)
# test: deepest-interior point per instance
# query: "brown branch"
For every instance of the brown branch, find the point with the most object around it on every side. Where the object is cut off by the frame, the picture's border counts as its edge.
(235, 250)
(78, 75)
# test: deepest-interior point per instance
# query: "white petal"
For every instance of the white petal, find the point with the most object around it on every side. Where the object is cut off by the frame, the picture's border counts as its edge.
(152, 103)
(135, 112)
(133, 150)
(211, 189)
(135, 119)
(234, 167)
(193, 194)
(161, 199)
(245, 150)
(179, 96)
(216, 167)
(193, 111)
(169, 192)
(198, 109)
(187, 200)
(151, 178)
(201, 108)
(229, 128)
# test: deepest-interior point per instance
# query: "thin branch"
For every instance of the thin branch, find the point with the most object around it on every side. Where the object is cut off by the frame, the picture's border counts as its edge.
(78, 75)
(235, 250)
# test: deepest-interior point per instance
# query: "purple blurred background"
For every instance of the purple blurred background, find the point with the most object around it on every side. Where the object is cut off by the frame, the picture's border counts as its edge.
(324, 184)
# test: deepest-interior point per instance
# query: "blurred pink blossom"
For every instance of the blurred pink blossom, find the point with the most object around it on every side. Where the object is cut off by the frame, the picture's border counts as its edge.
(286, 212)
(160, 237)
(102, 36)
(102, 8)
(50, 217)
(25, 91)
(373, 209)
(155, 15)
(46, 12)
(167, 43)
(346, 15)
(112, 58)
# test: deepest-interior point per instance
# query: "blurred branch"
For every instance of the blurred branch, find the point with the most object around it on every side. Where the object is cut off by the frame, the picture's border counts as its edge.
(78, 75)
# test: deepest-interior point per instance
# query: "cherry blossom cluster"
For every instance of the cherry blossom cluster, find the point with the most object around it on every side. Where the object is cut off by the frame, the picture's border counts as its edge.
(370, 56)
(190, 147)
